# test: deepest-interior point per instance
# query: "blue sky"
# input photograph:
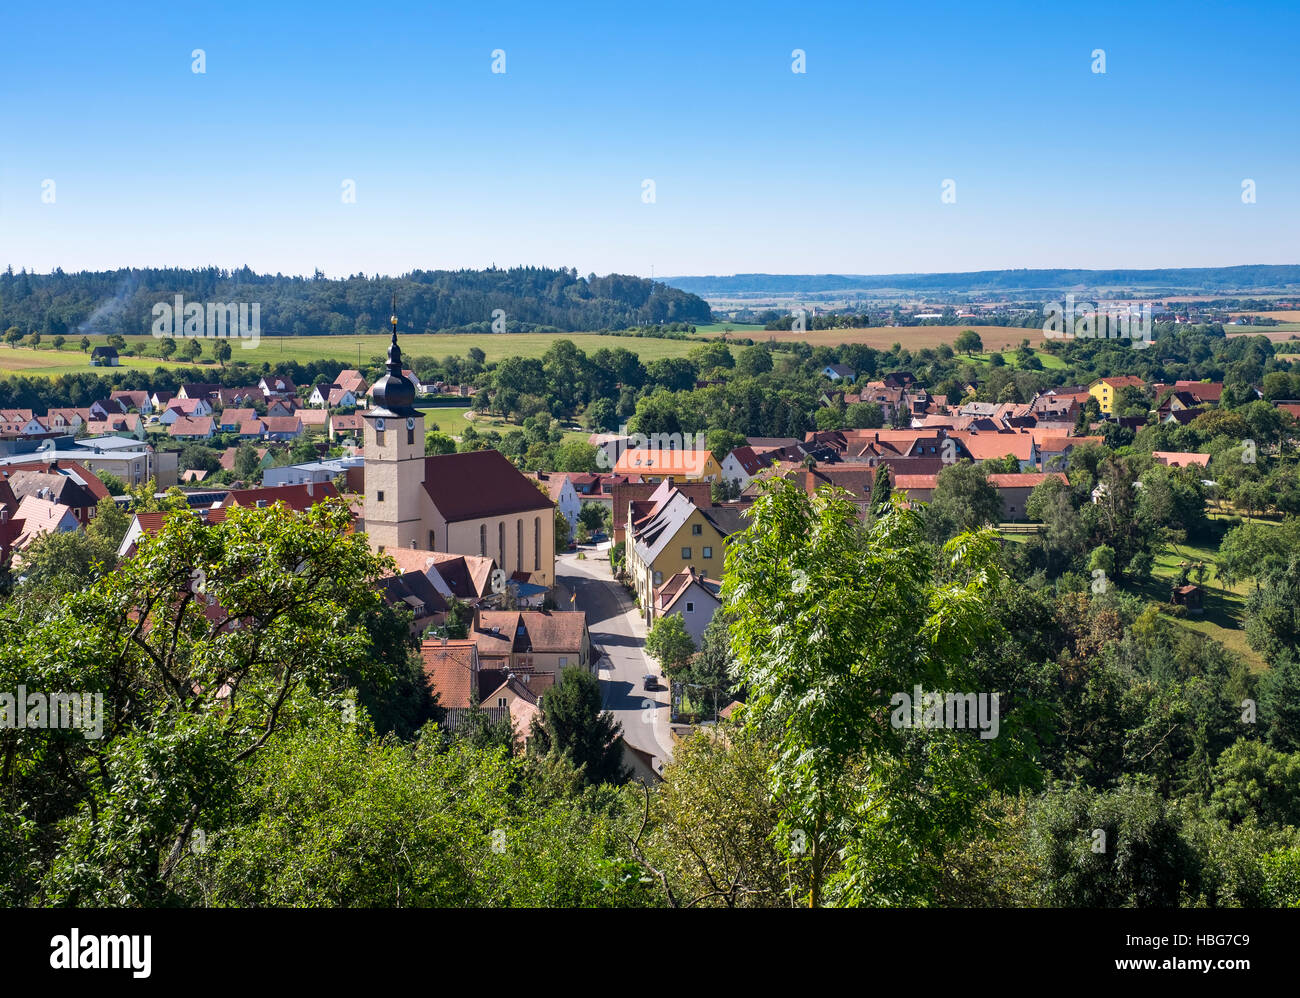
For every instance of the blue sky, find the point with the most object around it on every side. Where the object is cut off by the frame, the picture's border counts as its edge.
(756, 168)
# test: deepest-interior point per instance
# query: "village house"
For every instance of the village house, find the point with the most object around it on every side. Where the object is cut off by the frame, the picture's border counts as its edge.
(1106, 390)
(466, 578)
(839, 372)
(1181, 459)
(562, 493)
(283, 408)
(63, 483)
(691, 596)
(668, 532)
(1052, 453)
(104, 357)
(461, 682)
(352, 425)
(232, 419)
(276, 386)
(1014, 490)
(40, 517)
(742, 464)
(533, 641)
(137, 400)
(281, 428)
(657, 464)
(195, 391)
(178, 408)
(187, 428)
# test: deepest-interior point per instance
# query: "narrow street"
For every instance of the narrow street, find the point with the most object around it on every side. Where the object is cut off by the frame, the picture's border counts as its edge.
(617, 630)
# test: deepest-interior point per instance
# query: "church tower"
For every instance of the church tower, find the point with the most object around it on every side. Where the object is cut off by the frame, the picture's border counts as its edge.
(394, 458)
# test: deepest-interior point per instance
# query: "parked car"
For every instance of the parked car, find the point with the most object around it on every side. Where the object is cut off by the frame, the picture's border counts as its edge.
(651, 682)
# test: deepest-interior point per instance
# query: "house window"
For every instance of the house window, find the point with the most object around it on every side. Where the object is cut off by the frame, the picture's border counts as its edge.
(482, 540)
(696, 529)
(501, 543)
(380, 497)
(519, 545)
(432, 547)
(537, 543)
(659, 578)
(410, 436)
(690, 607)
(564, 660)
(686, 553)
(708, 552)
(379, 438)
(501, 701)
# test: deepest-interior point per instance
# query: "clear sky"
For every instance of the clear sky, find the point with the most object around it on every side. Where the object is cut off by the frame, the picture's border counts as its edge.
(756, 168)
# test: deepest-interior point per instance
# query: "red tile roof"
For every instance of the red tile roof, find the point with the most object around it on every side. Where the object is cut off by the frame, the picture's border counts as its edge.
(296, 497)
(450, 669)
(479, 484)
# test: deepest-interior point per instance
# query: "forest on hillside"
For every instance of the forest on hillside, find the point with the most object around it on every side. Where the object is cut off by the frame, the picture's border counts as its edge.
(532, 298)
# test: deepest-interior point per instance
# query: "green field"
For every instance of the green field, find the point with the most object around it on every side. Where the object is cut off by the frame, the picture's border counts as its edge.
(1224, 616)
(1051, 362)
(347, 350)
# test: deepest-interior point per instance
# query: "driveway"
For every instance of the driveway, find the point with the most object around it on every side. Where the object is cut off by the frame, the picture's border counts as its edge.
(617, 630)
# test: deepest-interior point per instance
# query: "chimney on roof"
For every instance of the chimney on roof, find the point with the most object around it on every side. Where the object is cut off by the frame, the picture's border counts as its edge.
(444, 641)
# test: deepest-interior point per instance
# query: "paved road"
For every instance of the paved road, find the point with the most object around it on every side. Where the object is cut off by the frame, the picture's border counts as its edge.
(616, 628)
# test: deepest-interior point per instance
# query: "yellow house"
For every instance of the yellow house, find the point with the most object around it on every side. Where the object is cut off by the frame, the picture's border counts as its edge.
(655, 464)
(671, 536)
(1106, 390)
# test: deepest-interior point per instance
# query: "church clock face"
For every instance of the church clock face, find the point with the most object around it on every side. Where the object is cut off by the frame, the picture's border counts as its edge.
(410, 422)
(379, 424)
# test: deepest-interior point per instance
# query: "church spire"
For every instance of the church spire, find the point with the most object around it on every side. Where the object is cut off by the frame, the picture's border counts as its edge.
(394, 351)
(394, 393)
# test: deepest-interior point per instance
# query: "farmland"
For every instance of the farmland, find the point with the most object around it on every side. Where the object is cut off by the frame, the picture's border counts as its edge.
(345, 349)
(911, 337)
(352, 350)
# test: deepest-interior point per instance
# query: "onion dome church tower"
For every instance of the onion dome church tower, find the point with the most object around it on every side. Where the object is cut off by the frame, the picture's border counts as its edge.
(394, 458)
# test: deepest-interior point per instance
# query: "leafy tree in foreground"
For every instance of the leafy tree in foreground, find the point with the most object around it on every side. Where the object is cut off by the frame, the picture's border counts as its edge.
(829, 620)
(574, 726)
(204, 646)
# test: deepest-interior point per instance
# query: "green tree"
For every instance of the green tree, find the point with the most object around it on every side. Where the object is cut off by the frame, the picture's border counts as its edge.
(562, 532)
(963, 499)
(438, 443)
(574, 727)
(1279, 704)
(716, 826)
(1252, 780)
(829, 620)
(177, 742)
(969, 342)
(246, 461)
(864, 416)
(221, 351)
(1112, 849)
(1273, 613)
(84, 344)
(669, 642)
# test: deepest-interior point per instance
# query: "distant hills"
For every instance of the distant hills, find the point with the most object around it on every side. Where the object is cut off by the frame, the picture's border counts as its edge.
(1206, 280)
(532, 298)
